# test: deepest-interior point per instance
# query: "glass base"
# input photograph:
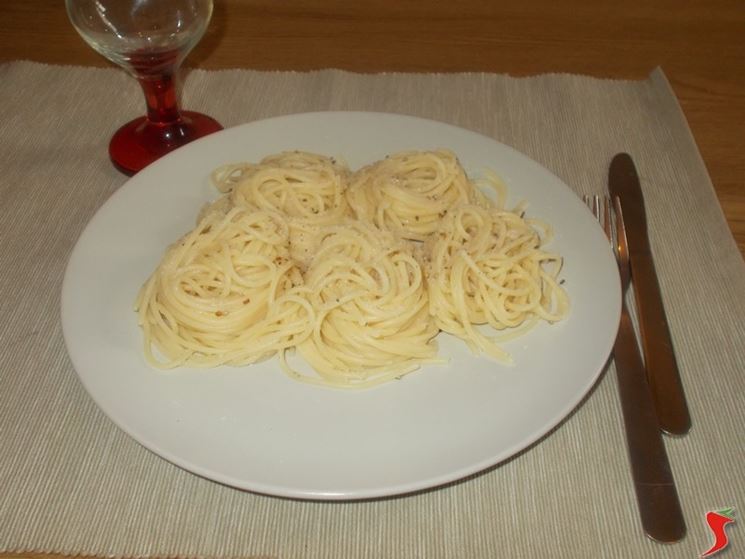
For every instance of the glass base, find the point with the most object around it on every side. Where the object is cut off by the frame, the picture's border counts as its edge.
(141, 141)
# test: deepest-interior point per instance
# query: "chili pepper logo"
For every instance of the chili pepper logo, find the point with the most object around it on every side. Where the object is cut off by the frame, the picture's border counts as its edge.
(717, 520)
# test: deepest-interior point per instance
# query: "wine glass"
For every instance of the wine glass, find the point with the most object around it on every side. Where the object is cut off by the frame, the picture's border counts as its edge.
(149, 39)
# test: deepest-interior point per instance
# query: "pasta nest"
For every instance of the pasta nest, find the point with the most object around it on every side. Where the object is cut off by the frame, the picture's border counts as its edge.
(408, 193)
(226, 293)
(372, 322)
(308, 189)
(485, 266)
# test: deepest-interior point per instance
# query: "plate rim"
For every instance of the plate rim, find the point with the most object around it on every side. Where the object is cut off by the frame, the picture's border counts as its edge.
(267, 489)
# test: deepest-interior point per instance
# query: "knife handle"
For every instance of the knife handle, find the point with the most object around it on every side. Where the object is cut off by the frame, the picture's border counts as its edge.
(659, 507)
(659, 357)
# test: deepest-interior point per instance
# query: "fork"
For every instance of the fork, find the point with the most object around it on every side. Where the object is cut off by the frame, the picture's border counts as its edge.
(659, 507)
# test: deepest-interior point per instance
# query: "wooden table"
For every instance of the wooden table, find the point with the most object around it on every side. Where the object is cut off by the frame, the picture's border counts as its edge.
(699, 45)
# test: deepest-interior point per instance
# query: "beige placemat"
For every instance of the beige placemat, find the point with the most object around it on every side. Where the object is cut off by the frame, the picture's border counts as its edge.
(72, 482)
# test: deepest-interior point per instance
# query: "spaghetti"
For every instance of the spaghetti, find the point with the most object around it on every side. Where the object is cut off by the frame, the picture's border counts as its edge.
(486, 266)
(308, 189)
(372, 321)
(410, 192)
(226, 294)
(357, 272)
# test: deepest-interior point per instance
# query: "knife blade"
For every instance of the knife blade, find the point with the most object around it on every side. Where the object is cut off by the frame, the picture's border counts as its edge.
(659, 356)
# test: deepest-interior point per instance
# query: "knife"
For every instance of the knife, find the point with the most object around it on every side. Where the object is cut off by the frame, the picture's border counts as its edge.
(662, 368)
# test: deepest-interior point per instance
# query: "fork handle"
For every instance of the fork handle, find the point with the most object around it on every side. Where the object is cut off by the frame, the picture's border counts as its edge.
(659, 356)
(659, 507)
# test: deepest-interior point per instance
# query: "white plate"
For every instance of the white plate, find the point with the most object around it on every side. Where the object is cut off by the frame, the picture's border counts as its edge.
(253, 427)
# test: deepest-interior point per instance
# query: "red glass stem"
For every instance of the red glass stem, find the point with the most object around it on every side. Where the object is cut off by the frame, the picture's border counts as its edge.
(165, 128)
(161, 98)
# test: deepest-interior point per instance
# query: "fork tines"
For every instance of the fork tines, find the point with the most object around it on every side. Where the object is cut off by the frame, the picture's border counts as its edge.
(601, 208)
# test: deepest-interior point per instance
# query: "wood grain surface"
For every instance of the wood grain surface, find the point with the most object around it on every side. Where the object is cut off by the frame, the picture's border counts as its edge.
(699, 45)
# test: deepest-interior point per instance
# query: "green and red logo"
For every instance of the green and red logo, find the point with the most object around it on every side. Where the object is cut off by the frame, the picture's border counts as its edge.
(717, 521)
